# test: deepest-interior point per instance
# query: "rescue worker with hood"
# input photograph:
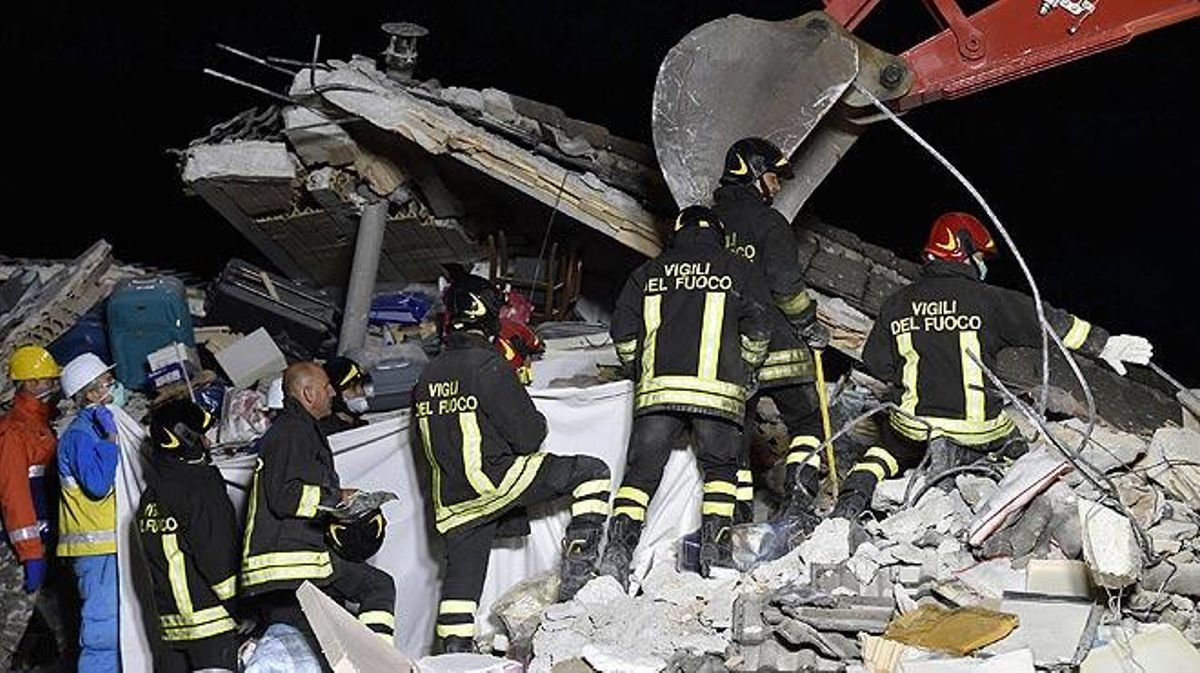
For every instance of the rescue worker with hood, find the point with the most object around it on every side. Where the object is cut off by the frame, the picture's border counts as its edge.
(352, 386)
(294, 490)
(188, 533)
(754, 169)
(87, 515)
(27, 448)
(690, 329)
(480, 435)
(931, 341)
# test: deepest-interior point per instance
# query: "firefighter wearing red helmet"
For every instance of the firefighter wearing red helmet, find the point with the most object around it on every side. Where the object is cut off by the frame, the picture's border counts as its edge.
(931, 343)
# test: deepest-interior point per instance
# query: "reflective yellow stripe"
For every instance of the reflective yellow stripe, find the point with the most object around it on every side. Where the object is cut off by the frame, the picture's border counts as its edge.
(378, 618)
(717, 508)
(754, 351)
(722, 487)
(193, 618)
(627, 351)
(745, 476)
(310, 497)
(223, 625)
(734, 408)
(387, 638)
(472, 450)
(874, 469)
(307, 572)
(285, 558)
(455, 607)
(435, 471)
(592, 487)
(635, 513)
(795, 305)
(745, 493)
(177, 574)
(589, 507)
(805, 441)
(969, 433)
(652, 318)
(635, 494)
(713, 386)
(812, 457)
(968, 345)
(904, 344)
(1080, 329)
(516, 480)
(710, 335)
(790, 356)
(456, 630)
(883, 454)
(251, 509)
(225, 590)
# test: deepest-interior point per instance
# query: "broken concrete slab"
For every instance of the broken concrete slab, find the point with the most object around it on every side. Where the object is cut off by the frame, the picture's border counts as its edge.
(889, 495)
(1059, 631)
(613, 660)
(1032, 474)
(1173, 577)
(991, 579)
(461, 663)
(1109, 546)
(829, 543)
(1156, 648)
(1108, 449)
(1066, 578)
(1173, 462)
(1020, 661)
(256, 160)
(975, 489)
(348, 645)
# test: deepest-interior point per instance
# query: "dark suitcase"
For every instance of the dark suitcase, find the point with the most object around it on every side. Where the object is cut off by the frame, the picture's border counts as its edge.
(88, 335)
(144, 314)
(393, 380)
(245, 298)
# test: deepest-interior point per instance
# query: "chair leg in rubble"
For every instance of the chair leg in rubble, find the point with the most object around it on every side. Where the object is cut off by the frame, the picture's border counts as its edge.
(623, 536)
(716, 543)
(581, 551)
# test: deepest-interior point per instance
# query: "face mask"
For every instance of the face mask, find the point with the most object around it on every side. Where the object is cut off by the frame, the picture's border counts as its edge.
(981, 267)
(357, 405)
(117, 391)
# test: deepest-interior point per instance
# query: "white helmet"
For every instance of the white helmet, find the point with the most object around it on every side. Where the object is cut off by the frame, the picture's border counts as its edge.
(275, 394)
(80, 372)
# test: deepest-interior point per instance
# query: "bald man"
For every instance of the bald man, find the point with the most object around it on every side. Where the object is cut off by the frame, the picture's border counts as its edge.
(294, 487)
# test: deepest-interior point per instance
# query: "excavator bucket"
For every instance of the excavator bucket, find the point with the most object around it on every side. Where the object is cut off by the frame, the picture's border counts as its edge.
(737, 77)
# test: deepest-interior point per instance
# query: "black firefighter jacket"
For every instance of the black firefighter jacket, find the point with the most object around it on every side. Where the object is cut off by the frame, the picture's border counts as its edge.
(478, 430)
(285, 537)
(691, 324)
(188, 531)
(763, 236)
(929, 335)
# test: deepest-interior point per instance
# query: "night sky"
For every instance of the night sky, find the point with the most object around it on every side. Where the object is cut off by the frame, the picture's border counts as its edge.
(1092, 165)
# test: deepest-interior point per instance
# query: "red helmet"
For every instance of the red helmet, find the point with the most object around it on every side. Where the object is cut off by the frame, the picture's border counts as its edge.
(956, 236)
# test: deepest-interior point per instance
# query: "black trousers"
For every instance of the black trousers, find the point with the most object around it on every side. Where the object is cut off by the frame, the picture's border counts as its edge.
(800, 410)
(718, 447)
(586, 479)
(218, 653)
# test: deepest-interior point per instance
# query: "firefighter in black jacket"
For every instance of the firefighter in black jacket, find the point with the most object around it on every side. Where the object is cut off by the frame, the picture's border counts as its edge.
(294, 487)
(188, 533)
(929, 342)
(690, 329)
(352, 388)
(480, 433)
(754, 230)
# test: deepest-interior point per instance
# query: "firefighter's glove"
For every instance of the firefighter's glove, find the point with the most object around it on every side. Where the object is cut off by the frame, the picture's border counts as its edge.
(1124, 348)
(815, 334)
(35, 574)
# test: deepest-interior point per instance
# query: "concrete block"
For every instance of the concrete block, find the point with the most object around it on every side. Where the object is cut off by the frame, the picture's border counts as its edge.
(1158, 648)
(1172, 462)
(829, 543)
(1058, 578)
(748, 625)
(1109, 546)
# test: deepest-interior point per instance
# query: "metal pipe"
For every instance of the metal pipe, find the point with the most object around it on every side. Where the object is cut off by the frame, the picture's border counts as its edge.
(256, 59)
(367, 249)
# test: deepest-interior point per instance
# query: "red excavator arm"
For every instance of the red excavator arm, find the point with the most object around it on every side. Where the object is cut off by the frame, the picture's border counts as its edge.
(1010, 39)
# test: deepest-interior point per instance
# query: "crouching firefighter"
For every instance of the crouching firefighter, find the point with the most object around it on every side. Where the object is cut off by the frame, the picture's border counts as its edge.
(690, 329)
(931, 343)
(480, 435)
(188, 532)
(294, 491)
(754, 169)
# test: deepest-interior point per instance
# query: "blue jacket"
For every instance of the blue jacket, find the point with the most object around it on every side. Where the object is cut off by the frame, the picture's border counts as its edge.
(85, 455)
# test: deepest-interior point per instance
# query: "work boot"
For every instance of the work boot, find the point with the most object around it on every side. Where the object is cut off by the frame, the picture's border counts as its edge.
(795, 514)
(716, 545)
(456, 644)
(581, 550)
(850, 505)
(623, 535)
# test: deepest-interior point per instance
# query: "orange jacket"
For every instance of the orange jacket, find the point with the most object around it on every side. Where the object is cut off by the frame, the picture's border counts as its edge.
(27, 446)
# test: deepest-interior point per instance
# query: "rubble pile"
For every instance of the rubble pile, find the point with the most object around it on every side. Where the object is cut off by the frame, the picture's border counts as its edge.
(1067, 579)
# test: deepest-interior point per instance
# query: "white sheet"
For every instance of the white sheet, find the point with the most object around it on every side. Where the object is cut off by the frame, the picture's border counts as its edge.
(593, 421)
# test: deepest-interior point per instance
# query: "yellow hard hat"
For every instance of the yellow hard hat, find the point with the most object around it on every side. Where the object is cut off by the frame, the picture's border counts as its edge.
(32, 362)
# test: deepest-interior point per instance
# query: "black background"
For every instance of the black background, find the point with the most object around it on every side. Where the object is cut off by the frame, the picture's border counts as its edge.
(1092, 166)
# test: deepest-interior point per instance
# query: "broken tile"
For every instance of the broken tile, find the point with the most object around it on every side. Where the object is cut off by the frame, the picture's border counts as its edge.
(1058, 578)
(1059, 631)
(1109, 546)
(1157, 648)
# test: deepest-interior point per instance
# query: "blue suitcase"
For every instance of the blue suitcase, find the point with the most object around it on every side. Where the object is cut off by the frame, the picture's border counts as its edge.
(88, 335)
(145, 314)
